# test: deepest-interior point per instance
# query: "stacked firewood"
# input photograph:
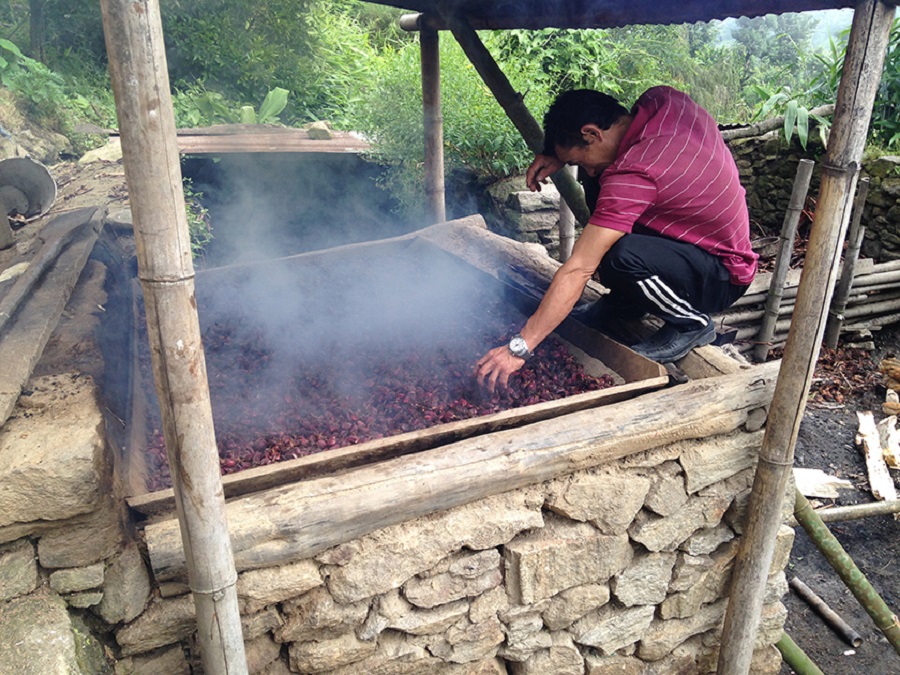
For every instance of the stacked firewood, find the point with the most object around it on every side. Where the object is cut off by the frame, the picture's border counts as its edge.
(874, 302)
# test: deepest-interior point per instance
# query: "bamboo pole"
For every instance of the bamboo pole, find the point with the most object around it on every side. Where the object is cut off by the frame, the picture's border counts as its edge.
(513, 104)
(566, 225)
(796, 658)
(856, 511)
(859, 83)
(783, 258)
(843, 564)
(137, 65)
(429, 44)
(829, 616)
(842, 292)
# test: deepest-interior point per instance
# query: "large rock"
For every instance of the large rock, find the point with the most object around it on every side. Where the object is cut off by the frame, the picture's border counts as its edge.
(37, 637)
(563, 554)
(53, 460)
(612, 628)
(260, 652)
(573, 603)
(84, 540)
(317, 657)
(469, 575)
(164, 623)
(645, 581)
(77, 579)
(259, 588)
(663, 636)
(315, 615)
(609, 500)
(667, 533)
(561, 658)
(709, 587)
(403, 616)
(168, 660)
(18, 569)
(387, 558)
(667, 493)
(126, 588)
(706, 462)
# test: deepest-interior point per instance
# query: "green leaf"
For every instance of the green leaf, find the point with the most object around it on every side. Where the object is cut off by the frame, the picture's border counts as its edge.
(790, 118)
(248, 114)
(802, 125)
(274, 103)
(11, 47)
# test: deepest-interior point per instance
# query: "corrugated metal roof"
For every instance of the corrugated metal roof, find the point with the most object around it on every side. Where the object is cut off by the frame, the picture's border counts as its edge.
(607, 13)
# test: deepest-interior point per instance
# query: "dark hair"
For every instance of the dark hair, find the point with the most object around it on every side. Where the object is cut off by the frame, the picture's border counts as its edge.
(571, 111)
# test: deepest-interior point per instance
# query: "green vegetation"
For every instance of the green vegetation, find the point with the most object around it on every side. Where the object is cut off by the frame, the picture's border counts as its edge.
(295, 61)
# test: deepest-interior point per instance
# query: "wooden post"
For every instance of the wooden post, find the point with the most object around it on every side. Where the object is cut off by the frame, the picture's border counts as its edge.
(842, 292)
(513, 103)
(429, 44)
(853, 110)
(783, 258)
(566, 225)
(137, 65)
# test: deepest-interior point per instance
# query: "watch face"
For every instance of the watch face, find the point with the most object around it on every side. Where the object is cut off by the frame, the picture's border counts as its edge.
(518, 346)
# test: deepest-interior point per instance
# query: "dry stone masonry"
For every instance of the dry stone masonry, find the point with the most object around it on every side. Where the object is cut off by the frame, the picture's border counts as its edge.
(621, 568)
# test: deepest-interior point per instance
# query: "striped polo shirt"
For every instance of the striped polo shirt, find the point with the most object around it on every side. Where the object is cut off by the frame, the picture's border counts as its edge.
(674, 175)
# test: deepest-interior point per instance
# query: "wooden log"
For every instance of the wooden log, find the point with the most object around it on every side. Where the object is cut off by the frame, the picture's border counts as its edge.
(38, 310)
(140, 82)
(766, 126)
(866, 49)
(429, 45)
(297, 521)
(842, 292)
(868, 439)
(783, 259)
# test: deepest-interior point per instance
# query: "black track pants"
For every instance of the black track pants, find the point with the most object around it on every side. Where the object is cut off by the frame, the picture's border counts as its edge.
(678, 282)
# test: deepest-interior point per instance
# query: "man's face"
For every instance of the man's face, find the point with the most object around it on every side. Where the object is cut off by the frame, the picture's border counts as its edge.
(598, 152)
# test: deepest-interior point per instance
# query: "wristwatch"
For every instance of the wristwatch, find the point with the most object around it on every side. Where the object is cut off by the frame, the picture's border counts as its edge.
(518, 347)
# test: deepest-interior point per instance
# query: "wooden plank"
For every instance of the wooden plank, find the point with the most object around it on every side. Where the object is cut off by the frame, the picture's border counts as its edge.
(37, 313)
(258, 138)
(297, 521)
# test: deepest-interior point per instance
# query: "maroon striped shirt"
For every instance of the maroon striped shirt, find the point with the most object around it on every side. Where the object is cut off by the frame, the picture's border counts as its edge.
(674, 176)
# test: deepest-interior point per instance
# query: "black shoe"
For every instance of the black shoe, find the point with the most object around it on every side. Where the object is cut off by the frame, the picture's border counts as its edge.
(671, 343)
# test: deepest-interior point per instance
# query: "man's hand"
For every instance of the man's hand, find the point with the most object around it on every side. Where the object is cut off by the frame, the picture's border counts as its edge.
(540, 170)
(496, 366)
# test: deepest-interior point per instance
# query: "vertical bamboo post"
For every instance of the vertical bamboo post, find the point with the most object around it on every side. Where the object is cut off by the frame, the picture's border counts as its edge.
(842, 292)
(856, 94)
(137, 65)
(566, 224)
(514, 105)
(783, 258)
(429, 45)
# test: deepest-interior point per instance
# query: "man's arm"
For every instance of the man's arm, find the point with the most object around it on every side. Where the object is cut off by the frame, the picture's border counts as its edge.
(568, 283)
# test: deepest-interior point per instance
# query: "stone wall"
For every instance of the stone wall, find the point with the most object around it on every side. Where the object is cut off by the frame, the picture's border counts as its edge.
(622, 568)
(767, 165)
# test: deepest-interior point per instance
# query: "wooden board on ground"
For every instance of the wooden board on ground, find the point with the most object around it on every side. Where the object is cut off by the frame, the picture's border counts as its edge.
(26, 332)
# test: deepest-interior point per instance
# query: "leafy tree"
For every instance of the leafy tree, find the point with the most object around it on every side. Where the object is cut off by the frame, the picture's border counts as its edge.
(773, 48)
(886, 114)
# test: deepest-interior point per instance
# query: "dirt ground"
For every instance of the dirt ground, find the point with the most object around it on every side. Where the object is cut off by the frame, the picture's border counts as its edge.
(827, 442)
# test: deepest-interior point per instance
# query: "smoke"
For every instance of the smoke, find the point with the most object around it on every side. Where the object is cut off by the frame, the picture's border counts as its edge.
(269, 205)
